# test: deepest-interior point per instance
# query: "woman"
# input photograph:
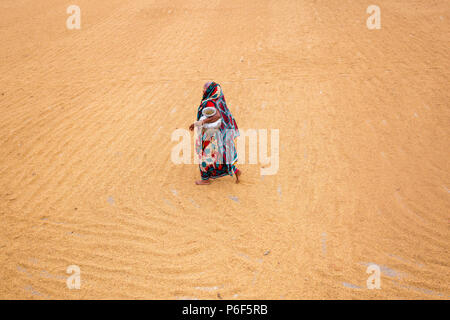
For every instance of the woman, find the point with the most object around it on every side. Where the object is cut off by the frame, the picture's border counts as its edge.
(216, 149)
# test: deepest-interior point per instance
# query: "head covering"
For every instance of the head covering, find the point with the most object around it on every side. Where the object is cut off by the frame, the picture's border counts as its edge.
(206, 85)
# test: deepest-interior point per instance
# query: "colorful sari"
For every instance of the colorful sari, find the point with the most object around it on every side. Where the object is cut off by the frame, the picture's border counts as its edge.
(216, 149)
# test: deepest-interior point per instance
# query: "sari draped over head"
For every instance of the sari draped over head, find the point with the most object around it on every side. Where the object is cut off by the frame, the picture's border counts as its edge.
(216, 149)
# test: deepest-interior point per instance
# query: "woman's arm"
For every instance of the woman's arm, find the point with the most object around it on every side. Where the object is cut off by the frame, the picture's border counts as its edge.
(212, 119)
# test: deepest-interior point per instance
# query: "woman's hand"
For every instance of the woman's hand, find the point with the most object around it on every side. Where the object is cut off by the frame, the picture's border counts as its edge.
(196, 124)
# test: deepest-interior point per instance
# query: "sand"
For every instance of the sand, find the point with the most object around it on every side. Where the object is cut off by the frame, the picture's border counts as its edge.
(86, 177)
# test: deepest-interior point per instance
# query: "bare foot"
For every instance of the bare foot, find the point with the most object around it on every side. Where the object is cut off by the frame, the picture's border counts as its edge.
(238, 174)
(202, 182)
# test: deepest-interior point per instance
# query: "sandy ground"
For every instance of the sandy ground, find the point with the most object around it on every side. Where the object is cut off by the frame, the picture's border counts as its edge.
(85, 141)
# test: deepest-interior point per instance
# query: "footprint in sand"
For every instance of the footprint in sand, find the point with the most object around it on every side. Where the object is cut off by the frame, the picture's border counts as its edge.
(194, 203)
(110, 200)
(350, 285)
(208, 288)
(324, 243)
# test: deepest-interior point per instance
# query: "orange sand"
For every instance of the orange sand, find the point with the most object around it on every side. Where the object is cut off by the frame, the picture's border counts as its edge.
(85, 142)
